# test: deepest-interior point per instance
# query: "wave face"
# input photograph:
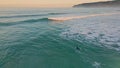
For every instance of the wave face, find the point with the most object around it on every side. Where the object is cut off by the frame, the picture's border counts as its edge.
(24, 22)
(37, 38)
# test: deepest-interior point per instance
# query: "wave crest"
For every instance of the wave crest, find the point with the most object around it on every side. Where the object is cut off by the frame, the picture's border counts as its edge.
(80, 17)
(25, 21)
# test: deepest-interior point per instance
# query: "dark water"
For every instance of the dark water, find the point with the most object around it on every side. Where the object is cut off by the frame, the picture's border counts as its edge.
(28, 39)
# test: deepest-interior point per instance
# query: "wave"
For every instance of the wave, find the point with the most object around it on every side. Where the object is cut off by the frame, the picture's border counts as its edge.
(25, 21)
(36, 20)
(21, 16)
(17, 16)
(56, 13)
(54, 19)
(80, 17)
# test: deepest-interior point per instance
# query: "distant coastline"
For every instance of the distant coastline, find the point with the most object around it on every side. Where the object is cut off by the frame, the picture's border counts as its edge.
(100, 4)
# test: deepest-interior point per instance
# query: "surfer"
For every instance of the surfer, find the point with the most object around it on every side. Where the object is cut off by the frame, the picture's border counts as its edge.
(77, 48)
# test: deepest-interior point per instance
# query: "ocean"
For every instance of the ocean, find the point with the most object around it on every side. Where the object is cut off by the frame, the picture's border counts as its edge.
(60, 38)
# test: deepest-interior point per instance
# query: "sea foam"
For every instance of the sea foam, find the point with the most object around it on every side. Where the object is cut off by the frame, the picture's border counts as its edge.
(79, 17)
(103, 30)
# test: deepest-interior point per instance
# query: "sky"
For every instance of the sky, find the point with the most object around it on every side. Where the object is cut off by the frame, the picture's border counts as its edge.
(43, 3)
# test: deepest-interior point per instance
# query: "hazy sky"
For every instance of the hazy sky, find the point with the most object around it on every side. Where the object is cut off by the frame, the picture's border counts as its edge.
(42, 3)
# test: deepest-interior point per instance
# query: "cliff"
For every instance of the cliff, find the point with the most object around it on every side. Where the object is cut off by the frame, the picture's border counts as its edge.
(100, 4)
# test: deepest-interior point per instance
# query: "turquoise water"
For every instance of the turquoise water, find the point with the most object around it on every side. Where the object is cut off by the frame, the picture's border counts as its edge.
(28, 39)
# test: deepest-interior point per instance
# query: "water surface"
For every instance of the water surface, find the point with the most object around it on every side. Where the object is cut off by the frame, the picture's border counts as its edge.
(28, 39)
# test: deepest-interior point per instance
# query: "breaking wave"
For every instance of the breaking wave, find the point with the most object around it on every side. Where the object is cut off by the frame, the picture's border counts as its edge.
(80, 17)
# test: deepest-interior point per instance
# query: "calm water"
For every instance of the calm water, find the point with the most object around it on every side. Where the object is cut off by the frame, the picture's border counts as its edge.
(28, 39)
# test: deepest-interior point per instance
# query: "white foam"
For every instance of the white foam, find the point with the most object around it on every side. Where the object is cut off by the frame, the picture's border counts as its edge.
(96, 64)
(79, 17)
(103, 30)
